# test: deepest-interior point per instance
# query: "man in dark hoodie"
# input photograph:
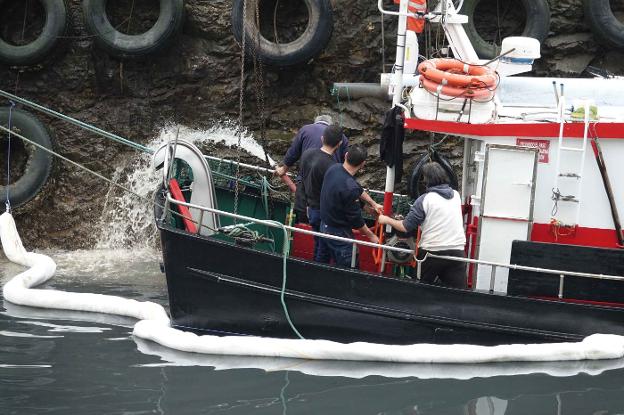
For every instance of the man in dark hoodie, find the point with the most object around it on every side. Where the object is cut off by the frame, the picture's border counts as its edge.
(438, 212)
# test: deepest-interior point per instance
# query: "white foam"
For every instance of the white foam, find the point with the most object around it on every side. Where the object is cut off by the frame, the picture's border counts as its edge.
(226, 133)
(7, 333)
(154, 325)
(126, 220)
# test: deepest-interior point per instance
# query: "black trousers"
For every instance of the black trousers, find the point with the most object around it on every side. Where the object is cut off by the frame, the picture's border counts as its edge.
(450, 273)
(301, 206)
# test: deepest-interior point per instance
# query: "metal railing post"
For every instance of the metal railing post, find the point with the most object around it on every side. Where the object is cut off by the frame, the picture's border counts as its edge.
(201, 221)
(353, 255)
(492, 279)
(561, 277)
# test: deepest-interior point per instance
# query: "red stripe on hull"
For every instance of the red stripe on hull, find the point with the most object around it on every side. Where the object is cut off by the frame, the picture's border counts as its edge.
(603, 238)
(543, 130)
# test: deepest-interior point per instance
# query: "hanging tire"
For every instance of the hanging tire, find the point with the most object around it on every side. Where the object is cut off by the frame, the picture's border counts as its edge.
(311, 42)
(604, 23)
(56, 22)
(416, 185)
(537, 25)
(121, 45)
(38, 165)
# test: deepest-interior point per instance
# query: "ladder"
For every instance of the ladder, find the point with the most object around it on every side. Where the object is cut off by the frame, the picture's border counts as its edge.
(566, 192)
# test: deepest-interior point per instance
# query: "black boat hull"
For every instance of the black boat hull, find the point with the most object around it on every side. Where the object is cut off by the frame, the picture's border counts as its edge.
(219, 287)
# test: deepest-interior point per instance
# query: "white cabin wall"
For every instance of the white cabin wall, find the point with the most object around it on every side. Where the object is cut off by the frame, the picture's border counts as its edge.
(595, 211)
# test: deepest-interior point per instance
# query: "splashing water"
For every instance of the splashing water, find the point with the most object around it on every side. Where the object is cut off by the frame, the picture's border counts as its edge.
(127, 221)
(225, 133)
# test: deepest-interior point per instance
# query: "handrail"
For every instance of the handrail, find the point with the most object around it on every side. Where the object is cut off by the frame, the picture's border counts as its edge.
(287, 227)
(528, 268)
(391, 248)
(268, 170)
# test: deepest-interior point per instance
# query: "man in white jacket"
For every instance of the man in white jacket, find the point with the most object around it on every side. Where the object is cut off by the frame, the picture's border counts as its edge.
(438, 212)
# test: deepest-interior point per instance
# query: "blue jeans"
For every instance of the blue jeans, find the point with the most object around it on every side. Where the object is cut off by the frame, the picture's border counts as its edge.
(320, 251)
(341, 252)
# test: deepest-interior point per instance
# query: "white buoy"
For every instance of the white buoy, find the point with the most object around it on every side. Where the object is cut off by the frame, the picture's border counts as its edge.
(154, 325)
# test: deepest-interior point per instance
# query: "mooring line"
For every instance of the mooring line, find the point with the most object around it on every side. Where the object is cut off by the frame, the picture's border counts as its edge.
(76, 122)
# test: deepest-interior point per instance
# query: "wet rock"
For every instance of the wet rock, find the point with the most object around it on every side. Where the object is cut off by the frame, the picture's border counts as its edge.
(195, 82)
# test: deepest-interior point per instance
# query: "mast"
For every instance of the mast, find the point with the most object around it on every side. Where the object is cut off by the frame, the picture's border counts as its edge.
(398, 91)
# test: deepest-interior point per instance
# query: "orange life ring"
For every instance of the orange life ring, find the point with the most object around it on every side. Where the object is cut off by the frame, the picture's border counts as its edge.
(482, 94)
(451, 72)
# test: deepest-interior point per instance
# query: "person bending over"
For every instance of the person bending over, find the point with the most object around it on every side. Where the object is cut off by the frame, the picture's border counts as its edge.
(314, 165)
(438, 212)
(340, 207)
(308, 137)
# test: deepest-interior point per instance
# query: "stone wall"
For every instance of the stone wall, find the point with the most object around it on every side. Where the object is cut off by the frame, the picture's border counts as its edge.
(195, 83)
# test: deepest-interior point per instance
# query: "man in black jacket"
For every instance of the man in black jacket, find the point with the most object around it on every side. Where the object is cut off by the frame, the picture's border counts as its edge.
(313, 165)
(340, 206)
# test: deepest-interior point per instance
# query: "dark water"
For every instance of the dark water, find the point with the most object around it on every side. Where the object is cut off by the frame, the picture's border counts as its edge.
(80, 363)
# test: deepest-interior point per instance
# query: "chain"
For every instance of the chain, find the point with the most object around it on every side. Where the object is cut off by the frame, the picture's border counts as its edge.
(259, 82)
(260, 97)
(241, 106)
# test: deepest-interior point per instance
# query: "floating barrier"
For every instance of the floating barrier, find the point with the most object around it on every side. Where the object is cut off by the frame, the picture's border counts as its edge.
(154, 325)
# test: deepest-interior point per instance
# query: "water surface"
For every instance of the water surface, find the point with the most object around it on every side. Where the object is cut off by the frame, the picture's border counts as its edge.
(57, 362)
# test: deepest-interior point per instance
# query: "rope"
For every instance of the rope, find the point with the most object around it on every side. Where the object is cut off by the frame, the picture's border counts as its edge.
(556, 197)
(336, 91)
(96, 174)
(73, 121)
(7, 204)
(285, 254)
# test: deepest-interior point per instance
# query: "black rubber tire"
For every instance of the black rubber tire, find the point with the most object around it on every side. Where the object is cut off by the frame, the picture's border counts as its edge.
(37, 50)
(312, 42)
(39, 164)
(415, 186)
(537, 25)
(121, 45)
(604, 24)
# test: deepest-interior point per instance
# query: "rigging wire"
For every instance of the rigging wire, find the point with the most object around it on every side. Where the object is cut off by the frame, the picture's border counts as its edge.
(7, 203)
(96, 174)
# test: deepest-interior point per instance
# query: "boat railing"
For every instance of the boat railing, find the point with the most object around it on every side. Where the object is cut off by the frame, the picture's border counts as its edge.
(494, 265)
(271, 171)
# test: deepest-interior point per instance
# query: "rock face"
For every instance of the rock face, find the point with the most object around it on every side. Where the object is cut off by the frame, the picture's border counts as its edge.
(195, 82)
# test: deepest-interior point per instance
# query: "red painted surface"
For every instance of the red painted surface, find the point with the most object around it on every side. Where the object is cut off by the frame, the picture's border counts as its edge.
(471, 235)
(543, 147)
(604, 238)
(388, 197)
(543, 130)
(303, 247)
(189, 225)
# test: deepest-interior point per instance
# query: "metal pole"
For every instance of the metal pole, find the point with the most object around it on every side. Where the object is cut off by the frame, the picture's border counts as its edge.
(396, 98)
(607, 185)
(353, 255)
(492, 279)
(561, 277)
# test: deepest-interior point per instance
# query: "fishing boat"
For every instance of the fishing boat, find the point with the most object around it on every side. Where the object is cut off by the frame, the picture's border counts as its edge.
(541, 184)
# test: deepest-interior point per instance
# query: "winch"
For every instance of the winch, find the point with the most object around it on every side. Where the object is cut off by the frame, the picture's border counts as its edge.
(399, 240)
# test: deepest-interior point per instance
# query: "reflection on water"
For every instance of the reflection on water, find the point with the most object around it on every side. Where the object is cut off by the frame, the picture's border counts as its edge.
(66, 362)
